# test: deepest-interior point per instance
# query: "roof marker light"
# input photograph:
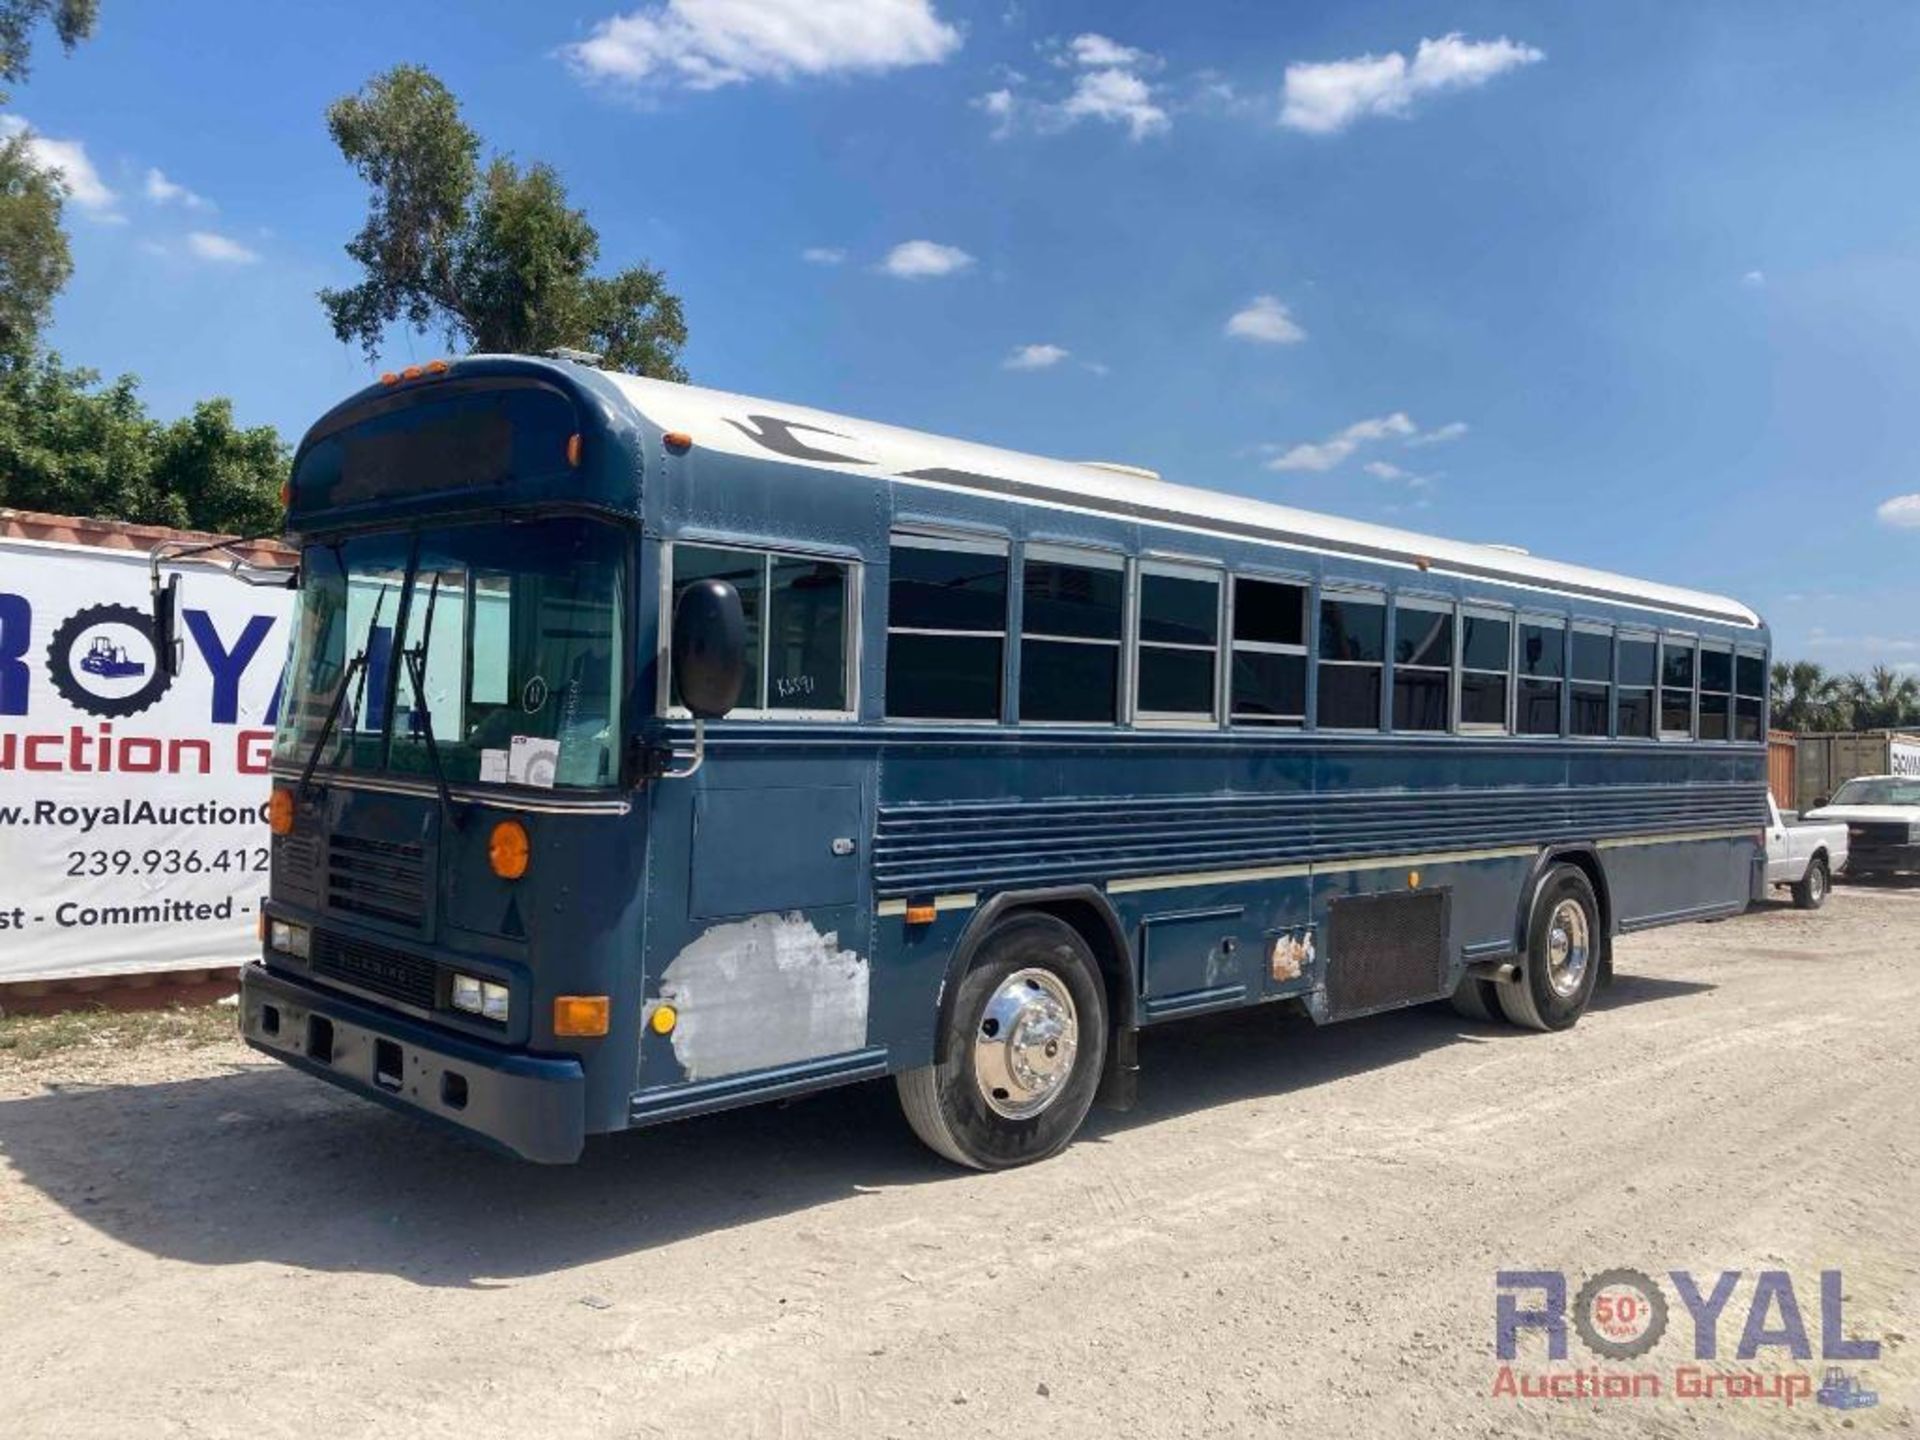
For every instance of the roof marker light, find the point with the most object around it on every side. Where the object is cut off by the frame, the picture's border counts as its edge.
(437, 367)
(678, 441)
(389, 378)
(412, 372)
(575, 448)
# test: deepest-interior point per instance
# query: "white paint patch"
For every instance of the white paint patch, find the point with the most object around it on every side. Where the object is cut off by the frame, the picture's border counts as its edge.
(767, 991)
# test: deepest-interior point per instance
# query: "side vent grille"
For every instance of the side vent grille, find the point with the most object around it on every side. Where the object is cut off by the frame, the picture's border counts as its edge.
(378, 878)
(1385, 950)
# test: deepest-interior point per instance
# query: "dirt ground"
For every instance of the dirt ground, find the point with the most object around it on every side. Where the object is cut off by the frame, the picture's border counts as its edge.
(1297, 1231)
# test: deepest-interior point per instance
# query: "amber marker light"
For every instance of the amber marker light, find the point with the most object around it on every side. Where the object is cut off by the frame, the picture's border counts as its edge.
(576, 447)
(437, 367)
(508, 851)
(678, 441)
(1413, 879)
(389, 378)
(581, 1014)
(663, 1019)
(280, 811)
(921, 914)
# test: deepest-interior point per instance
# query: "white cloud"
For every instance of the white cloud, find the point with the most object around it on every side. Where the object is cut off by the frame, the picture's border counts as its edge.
(1440, 435)
(999, 106)
(1267, 321)
(924, 259)
(1754, 279)
(1118, 96)
(1034, 357)
(1902, 512)
(206, 245)
(1096, 52)
(1326, 454)
(162, 191)
(1381, 470)
(823, 255)
(705, 44)
(1323, 99)
(68, 159)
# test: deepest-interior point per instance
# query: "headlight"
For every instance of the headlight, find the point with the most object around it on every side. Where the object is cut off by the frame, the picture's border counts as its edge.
(484, 998)
(289, 939)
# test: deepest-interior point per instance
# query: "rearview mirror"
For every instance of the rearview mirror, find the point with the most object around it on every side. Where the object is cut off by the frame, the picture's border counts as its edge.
(166, 616)
(709, 648)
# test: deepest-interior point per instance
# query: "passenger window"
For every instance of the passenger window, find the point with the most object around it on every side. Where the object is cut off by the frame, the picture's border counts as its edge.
(1750, 701)
(1716, 693)
(1070, 636)
(1179, 644)
(1592, 680)
(798, 618)
(1353, 648)
(1542, 671)
(946, 628)
(1422, 666)
(1676, 687)
(1639, 669)
(1269, 653)
(1486, 669)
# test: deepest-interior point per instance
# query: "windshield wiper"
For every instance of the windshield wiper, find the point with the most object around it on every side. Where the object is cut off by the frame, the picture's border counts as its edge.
(416, 662)
(347, 677)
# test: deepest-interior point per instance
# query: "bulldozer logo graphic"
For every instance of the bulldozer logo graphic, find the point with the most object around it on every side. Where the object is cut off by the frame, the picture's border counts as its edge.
(102, 660)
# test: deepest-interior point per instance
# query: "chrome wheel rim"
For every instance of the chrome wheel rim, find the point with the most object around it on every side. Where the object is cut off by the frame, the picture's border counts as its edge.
(1569, 947)
(1024, 1044)
(1816, 882)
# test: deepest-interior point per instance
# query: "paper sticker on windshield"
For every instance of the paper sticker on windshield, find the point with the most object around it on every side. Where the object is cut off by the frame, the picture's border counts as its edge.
(493, 767)
(532, 761)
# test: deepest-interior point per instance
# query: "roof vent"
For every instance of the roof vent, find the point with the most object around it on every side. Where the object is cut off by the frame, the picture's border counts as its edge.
(1138, 472)
(578, 357)
(1500, 545)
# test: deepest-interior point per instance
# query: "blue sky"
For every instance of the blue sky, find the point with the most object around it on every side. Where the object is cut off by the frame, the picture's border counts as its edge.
(1633, 284)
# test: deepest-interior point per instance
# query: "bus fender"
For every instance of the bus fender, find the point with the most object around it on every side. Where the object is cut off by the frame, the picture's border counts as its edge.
(1114, 957)
(1585, 857)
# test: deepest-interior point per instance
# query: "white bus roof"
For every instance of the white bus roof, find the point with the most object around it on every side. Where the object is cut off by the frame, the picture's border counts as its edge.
(768, 429)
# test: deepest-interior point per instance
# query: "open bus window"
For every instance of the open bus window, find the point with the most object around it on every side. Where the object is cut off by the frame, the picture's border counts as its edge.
(1179, 644)
(1592, 680)
(1422, 665)
(946, 628)
(798, 619)
(1676, 687)
(1750, 699)
(1639, 669)
(1486, 669)
(1269, 653)
(1353, 650)
(1070, 636)
(1542, 666)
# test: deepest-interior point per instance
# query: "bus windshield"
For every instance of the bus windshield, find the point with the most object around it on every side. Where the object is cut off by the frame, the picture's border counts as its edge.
(517, 632)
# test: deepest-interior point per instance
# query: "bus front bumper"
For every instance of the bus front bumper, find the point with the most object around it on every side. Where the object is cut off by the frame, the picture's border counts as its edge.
(530, 1105)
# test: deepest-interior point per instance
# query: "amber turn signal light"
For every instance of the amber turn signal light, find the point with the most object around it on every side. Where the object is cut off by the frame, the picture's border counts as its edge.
(921, 914)
(508, 851)
(280, 811)
(580, 1014)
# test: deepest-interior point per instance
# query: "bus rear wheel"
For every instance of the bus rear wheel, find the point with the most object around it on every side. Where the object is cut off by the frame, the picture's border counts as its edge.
(1563, 960)
(1025, 1042)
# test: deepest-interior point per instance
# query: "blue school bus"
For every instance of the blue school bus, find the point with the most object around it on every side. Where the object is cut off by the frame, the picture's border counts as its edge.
(648, 750)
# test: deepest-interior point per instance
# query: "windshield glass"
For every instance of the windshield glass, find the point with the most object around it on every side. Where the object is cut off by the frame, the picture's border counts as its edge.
(518, 629)
(1888, 791)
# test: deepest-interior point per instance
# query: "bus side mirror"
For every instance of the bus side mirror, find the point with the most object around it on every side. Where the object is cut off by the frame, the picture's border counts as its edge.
(166, 618)
(709, 648)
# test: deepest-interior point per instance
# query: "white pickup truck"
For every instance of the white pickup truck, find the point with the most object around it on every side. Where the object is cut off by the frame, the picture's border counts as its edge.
(1804, 855)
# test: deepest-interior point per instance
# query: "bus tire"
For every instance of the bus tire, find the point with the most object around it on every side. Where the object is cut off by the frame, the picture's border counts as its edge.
(1026, 1044)
(1810, 892)
(1475, 999)
(1564, 949)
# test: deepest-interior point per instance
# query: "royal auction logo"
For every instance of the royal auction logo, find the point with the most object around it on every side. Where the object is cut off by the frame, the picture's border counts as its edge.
(103, 660)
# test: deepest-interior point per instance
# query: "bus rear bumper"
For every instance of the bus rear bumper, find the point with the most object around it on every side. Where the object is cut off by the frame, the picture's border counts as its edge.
(529, 1105)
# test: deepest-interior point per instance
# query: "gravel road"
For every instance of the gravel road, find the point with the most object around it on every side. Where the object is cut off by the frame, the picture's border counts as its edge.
(1297, 1231)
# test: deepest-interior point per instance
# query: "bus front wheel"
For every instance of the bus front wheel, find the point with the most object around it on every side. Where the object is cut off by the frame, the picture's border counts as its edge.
(1564, 948)
(1025, 1043)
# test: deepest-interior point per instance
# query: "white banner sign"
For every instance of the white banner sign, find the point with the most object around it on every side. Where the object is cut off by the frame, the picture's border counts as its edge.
(132, 830)
(1905, 758)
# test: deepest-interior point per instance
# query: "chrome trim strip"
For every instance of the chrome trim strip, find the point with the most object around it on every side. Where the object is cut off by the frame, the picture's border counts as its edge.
(499, 800)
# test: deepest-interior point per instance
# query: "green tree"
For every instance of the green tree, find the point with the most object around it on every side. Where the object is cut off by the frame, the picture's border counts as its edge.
(34, 263)
(494, 257)
(1806, 698)
(1883, 699)
(72, 23)
(74, 446)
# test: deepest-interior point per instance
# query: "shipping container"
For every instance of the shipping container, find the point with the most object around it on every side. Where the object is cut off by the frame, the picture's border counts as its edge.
(1823, 763)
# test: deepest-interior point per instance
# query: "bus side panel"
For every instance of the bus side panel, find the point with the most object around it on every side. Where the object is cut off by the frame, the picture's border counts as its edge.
(1666, 882)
